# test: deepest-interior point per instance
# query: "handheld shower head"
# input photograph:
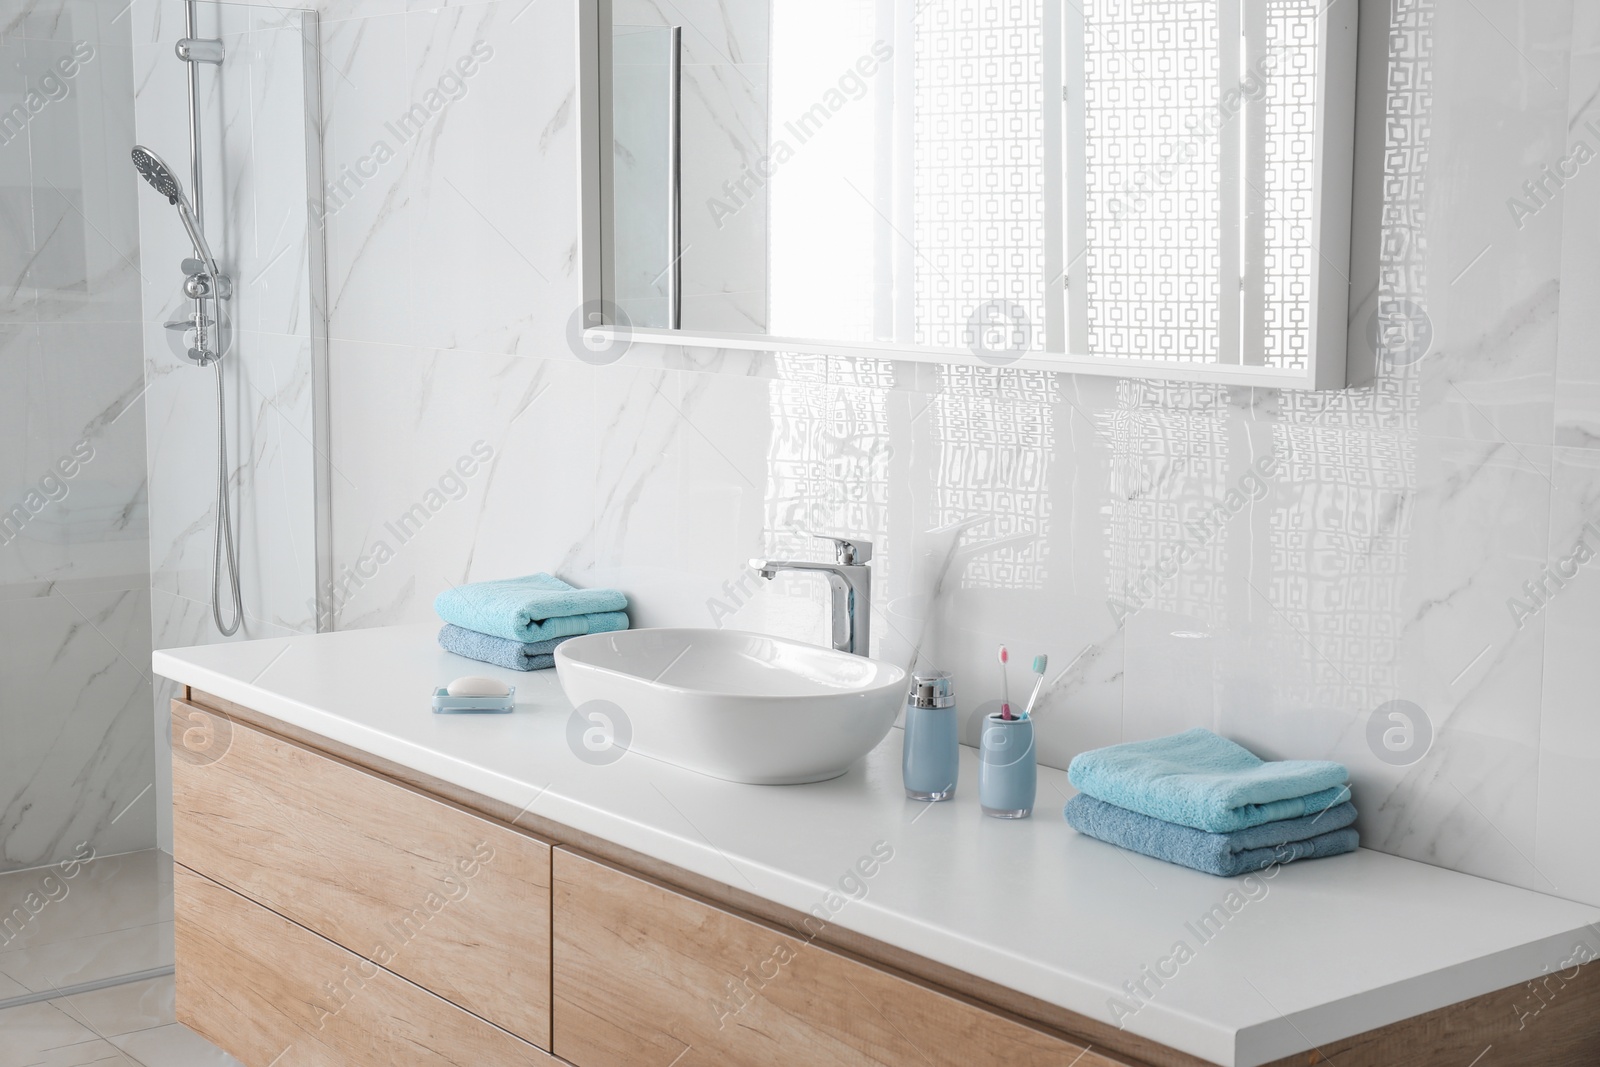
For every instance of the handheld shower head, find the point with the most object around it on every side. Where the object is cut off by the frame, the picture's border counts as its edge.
(162, 180)
(158, 174)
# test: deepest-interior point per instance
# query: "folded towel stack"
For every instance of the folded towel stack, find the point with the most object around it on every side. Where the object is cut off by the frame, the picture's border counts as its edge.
(518, 622)
(1201, 801)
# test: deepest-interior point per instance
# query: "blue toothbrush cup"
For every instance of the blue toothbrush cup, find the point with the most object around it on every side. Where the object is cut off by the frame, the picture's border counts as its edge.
(1008, 774)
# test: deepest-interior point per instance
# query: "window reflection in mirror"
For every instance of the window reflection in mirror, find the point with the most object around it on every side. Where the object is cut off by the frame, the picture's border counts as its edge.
(1197, 165)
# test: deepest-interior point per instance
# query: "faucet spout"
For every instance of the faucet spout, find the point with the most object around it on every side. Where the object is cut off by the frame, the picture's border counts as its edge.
(850, 583)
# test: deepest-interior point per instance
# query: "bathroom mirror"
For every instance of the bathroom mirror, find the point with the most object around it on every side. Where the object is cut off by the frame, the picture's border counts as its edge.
(1159, 189)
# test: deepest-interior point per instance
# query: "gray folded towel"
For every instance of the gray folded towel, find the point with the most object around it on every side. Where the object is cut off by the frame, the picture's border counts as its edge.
(498, 650)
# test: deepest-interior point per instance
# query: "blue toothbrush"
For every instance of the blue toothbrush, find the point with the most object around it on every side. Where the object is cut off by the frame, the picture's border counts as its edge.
(1039, 664)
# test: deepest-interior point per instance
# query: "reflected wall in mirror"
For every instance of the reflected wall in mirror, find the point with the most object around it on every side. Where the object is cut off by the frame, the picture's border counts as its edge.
(1154, 187)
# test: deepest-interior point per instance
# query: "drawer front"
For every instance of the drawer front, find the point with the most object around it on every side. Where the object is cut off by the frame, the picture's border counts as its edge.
(643, 974)
(273, 993)
(455, 903)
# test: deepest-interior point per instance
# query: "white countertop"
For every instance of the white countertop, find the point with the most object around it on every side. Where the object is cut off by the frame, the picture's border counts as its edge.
(1323, 950)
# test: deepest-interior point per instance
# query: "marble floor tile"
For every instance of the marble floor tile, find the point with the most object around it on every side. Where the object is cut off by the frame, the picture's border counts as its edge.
(104, 895)
(33, 1029)
(173, 1045)
(90, 959)
(94, 1053)
(124, 1009)
(45, 1035)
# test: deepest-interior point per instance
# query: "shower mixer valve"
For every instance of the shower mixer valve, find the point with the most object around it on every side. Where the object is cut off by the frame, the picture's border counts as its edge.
(201, 351)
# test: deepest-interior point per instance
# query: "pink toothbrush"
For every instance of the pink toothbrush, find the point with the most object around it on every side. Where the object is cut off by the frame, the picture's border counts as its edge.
(1005, 685)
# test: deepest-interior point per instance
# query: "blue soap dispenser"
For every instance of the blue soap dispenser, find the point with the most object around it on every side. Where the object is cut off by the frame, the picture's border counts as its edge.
(932, 756)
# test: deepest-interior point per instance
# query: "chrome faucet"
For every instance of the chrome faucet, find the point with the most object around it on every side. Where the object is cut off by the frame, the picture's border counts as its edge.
(850, 579)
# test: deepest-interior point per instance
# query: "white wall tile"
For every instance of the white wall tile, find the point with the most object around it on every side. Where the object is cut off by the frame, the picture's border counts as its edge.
(1374, 564)
(365, 86)
(490, 200)
(1499, 115)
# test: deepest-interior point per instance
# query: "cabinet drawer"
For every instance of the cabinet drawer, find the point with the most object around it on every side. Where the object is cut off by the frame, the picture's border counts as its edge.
(642, 972)
(271, 992)
(457, 904)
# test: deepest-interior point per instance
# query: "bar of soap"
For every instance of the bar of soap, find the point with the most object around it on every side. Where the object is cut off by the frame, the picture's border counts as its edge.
(477, 687)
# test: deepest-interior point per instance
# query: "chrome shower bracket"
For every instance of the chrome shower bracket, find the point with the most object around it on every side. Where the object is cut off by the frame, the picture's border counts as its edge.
(199, 50)
(198, 284)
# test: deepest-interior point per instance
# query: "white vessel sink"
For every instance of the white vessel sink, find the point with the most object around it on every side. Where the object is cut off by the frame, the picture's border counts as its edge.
(740, 706)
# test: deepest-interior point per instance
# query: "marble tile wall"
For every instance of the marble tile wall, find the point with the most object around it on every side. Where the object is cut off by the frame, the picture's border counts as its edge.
(257, 109)
(1339, 552)
(75, 757)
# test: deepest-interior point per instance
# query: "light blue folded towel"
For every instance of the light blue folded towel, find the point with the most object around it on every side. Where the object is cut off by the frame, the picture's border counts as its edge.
(518, 655)
(1207, 782)
(1329, 833)
(535, 608)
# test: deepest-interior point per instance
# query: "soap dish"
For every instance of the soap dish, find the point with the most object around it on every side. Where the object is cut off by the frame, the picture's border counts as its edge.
(445, 704)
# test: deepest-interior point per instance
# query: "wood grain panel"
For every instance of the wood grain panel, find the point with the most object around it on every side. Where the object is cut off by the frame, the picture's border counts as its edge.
(274, 994)
(646, 977)
(452, 901)
(1553, 1021)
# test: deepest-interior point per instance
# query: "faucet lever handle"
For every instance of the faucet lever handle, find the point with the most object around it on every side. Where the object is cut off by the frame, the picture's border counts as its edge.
(851, 551)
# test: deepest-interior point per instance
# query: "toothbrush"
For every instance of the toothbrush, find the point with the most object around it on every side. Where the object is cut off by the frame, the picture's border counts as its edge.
(1039, 664)
(1005, 685)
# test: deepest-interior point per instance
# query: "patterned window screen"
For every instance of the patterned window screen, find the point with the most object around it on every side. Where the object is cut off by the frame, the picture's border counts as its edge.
(1197, 178)
(1150, 182)
(978, 169)
(1289, 116)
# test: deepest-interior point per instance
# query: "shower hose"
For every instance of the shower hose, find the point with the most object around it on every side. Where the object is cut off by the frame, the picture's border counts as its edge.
(223, 542)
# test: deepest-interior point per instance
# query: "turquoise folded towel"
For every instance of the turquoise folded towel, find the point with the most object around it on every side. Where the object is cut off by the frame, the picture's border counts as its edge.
(535, 608)
(1330, 833)
(1207, 782)
(518, 655)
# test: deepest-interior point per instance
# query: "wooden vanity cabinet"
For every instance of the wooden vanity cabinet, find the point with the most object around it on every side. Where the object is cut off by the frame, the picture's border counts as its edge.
(333, 909)
(452, 902)
(644, 973)
(271, 992)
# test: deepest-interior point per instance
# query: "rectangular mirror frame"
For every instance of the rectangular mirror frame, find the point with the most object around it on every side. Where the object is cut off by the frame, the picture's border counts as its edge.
(1349, 191)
